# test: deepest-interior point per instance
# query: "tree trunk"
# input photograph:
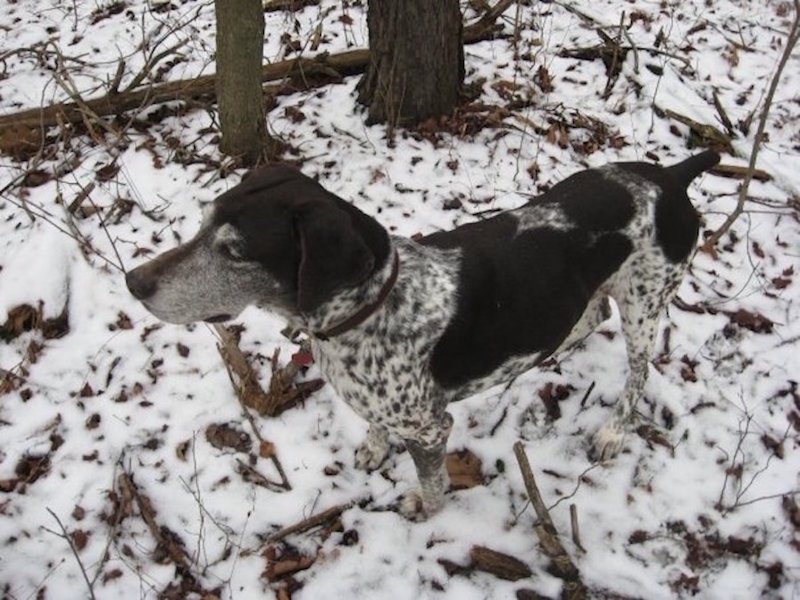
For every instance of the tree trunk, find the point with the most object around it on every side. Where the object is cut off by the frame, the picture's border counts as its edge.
(416, 60)
(240, 43)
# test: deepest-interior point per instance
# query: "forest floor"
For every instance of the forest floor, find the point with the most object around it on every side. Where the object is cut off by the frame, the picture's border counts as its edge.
(128, 466)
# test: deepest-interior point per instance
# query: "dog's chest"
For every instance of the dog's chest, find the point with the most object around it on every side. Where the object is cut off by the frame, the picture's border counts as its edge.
(382, 368)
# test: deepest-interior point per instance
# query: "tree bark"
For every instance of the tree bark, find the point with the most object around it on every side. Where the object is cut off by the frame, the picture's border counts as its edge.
(240, 43)
(416, 60)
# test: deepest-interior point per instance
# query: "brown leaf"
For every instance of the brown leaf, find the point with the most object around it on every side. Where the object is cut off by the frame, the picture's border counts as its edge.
(113, 574)
(79, 539)
(653, 436)
(464, 469)
(294, 114)
(31, 467)
(183, 350)
(551, 395)
(183, 449)
(93, 421)
(36, 178)
(107, 172)
(21, 318)
(755, 322)
(8, 485)
(775, 446)
(266, 449)
(544, 80)
(123, 321)
(224, 435)
(781, 282)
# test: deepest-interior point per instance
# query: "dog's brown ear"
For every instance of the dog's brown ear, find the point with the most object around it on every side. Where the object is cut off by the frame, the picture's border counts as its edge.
(333, 255)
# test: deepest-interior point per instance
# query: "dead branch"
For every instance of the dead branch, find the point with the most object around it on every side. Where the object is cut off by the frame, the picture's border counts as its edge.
(288, 5)
(310, 523)
(704, 133)
(197, 89)
(249, 393)
(485, 28)
(563, 566)
(576, 532)
(791, 41)
(737, 172)
(498, 564)
(297, 73)
(248, 390)
(251, 475)
(166, 539)
(72, 547)
(283, 393)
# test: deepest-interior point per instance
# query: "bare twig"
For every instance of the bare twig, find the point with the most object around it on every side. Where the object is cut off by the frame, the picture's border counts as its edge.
(576, 533)
(72, 547)
(791, 41)
(748, 419)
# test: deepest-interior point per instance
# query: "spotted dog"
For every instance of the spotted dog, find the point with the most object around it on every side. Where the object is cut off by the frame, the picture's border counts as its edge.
(402, 327)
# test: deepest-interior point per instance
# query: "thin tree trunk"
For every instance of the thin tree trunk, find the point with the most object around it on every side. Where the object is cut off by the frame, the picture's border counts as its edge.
(240, 42)
(416, 60)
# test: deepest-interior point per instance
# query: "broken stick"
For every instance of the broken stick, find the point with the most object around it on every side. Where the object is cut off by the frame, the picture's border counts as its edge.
(563, 567)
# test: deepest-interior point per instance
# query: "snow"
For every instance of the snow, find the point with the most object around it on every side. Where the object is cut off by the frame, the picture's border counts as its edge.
(121, 393)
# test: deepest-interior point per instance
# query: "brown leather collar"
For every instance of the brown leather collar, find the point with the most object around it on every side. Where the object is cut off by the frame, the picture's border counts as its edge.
(365, 312)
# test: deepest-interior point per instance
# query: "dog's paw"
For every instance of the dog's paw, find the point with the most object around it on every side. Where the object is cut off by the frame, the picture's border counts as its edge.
(414, 507)
(369, 457)
(607, 442)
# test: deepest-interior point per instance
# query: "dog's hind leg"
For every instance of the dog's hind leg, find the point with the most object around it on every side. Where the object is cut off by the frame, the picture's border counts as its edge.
(640, 300)
(427, 450)
(597, 311)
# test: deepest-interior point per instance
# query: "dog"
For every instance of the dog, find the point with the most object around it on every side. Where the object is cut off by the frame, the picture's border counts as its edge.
(402, 327)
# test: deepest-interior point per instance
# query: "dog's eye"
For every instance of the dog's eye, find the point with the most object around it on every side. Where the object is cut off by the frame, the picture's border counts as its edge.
(231, 251)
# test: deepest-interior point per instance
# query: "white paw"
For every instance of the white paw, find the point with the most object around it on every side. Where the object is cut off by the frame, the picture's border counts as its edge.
(608, 441)
(414, 507)
(369, 457)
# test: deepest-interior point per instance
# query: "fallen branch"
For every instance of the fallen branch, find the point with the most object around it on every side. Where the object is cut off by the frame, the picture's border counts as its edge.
(498, 564)
(704, 133)
(251, 475)
(197, 89)
(165, 537)
(284, 391)
(310, 523)
(562, 564)
(737, 172)
(297, 73)
(249, 393)
(485, 28)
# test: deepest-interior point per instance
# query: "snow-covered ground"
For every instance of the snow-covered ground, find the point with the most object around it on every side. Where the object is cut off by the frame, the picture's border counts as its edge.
(703, 502)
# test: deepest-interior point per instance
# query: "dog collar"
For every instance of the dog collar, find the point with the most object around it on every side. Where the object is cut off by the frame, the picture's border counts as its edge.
(365, 312)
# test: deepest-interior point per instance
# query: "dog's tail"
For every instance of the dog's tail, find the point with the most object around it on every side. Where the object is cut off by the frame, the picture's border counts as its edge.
(685, 171)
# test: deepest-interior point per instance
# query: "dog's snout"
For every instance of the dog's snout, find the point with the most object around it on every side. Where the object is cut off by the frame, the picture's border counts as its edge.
(140, 283)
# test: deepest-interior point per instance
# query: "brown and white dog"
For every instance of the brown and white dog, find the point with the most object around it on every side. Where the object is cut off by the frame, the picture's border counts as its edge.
(400, 328)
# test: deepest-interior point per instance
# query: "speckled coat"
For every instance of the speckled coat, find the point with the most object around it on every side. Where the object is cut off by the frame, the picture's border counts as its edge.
(469, 308)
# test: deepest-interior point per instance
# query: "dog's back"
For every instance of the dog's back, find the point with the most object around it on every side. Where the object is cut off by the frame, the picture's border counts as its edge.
(527, 276)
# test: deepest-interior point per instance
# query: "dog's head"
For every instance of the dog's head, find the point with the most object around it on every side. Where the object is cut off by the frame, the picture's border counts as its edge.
(277, 240)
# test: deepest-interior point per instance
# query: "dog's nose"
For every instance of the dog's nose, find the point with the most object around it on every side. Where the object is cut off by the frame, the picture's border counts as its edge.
(140, 284)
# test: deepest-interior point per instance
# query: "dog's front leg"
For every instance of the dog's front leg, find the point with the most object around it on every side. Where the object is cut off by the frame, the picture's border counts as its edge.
(427, 450)
(371, 453)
